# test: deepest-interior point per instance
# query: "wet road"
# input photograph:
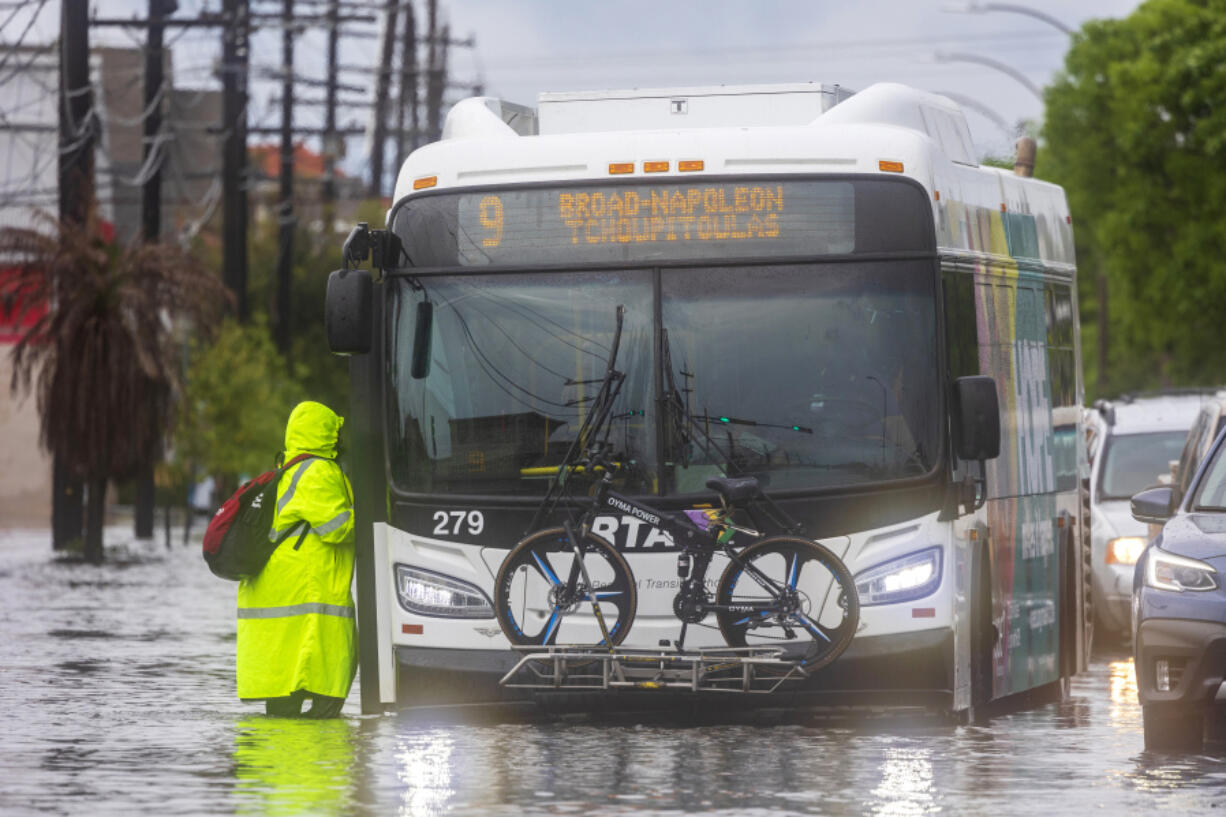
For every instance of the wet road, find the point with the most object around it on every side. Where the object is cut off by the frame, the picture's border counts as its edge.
(116, 685)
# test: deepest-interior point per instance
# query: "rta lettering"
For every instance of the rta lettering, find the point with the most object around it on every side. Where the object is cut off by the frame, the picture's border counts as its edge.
(627, 532)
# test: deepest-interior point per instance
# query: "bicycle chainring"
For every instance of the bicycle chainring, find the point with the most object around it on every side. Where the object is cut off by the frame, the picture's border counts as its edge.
(691, 604)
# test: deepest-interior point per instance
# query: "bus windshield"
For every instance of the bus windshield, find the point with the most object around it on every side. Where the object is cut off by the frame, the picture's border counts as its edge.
(808, 376)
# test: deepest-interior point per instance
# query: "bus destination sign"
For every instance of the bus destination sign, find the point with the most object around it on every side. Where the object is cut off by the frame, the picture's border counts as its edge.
(655, 222)
(720, 213)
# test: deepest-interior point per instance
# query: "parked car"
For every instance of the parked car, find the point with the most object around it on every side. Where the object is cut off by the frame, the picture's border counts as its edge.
(1179, 607)
(1131, 441)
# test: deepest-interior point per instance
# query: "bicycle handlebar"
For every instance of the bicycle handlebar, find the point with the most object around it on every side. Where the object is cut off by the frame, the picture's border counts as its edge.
(596, 420)
(617, 339)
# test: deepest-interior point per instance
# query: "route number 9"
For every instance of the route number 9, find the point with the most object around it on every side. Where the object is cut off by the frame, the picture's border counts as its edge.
(452, 523)
(491, 219)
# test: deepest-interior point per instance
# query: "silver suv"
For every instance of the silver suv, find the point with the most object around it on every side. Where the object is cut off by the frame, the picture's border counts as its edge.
(1132, 442)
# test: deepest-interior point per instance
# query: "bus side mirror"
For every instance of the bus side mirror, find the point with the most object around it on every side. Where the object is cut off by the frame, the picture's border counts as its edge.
(976, 418)
(348, 310)
(422, 333)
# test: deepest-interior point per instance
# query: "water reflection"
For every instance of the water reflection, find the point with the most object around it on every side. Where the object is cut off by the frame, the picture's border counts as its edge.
(1122, 682)
(287, 766)
(119, 688)
(906, 787)
(424, 766)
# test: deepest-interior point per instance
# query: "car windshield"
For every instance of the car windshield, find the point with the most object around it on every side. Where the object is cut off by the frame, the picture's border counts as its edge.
(1211, 493)
(1133, 462)
(805, 375)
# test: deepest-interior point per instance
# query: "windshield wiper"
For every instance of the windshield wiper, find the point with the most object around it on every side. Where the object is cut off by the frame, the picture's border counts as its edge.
(674, 407)
(739, 421)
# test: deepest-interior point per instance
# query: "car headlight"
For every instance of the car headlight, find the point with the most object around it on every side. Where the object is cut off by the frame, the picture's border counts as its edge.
(905, 578)
(1125, 550)
(431, 594)
(1166, 571)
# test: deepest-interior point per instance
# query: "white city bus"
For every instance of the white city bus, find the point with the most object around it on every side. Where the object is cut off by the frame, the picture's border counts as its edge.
(820, 269)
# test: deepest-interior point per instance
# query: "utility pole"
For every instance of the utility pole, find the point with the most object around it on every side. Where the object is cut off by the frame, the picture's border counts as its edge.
(151, 208)
(436, 72)
(408, 87)
(285, 211)
(331, 143)
(434, 86)
(76, 189)
(436, 132)
(382, 83)
(151, 192)
(1104, 357)
(235, 56)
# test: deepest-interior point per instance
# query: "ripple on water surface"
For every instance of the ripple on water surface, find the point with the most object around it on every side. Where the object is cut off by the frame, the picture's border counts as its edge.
(118, 682)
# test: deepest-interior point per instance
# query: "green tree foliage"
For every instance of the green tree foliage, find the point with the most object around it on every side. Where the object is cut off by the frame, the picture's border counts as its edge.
(1136, 133)
(103, 359)
(322, 375)
(238, 397)
(240, 387)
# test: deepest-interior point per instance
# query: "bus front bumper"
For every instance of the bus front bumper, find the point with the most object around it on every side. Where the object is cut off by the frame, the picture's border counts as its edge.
(903, 669)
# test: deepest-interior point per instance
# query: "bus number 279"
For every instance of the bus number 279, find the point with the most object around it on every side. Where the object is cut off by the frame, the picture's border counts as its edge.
(452, 523)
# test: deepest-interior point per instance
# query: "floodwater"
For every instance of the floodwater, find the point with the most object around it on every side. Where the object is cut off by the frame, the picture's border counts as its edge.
(116, 694)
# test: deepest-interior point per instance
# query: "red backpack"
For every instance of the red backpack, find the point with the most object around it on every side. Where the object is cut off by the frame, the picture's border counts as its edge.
(237, 543)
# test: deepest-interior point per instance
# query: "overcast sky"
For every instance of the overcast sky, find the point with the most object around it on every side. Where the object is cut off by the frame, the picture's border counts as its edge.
(530, 46)
(524, 47)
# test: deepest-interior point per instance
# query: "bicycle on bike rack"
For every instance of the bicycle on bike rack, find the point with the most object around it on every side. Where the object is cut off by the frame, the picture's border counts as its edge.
(569, 586)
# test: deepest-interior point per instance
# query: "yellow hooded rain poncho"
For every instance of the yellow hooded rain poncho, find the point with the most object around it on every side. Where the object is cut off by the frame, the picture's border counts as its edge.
(296, 625)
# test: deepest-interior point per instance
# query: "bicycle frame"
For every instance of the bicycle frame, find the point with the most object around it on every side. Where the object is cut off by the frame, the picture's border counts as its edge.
(698, 545)
(695, 542)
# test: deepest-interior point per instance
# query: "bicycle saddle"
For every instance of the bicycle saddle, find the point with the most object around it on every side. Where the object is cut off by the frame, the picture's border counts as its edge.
(734, 489)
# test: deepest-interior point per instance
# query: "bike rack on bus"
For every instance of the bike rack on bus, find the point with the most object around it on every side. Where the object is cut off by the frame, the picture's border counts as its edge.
(755, 670)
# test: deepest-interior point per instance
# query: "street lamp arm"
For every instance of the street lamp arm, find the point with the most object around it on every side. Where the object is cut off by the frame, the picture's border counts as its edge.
(949, 56)
(1029, 12)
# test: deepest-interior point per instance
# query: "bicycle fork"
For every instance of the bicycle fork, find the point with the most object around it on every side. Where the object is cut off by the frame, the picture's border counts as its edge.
(587, 580)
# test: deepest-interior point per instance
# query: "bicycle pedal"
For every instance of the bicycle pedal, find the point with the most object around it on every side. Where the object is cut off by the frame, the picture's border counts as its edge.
(789, 633)
(664, 642)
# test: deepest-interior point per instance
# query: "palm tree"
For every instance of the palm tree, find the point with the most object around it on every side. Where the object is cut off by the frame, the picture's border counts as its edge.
(103, 360)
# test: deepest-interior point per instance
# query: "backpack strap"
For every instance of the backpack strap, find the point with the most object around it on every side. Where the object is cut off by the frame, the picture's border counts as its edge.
(304, 524)
(293, 483)
(306, 528)
(305, 455)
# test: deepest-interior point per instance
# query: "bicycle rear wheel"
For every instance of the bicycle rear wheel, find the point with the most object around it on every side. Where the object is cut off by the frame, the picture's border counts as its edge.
(541, 598)
(807, 605)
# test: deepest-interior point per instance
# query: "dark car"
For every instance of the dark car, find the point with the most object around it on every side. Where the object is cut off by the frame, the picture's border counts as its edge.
(1179, 607)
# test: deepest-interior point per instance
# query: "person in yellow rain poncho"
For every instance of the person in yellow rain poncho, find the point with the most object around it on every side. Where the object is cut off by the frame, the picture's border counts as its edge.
(296, 628)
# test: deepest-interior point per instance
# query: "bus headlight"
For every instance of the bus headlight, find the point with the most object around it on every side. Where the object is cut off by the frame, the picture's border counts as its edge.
(906, 578)
(1166, 571)
(431, 594)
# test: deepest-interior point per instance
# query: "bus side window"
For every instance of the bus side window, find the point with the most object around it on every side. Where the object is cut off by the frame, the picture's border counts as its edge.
(960, 332)
(1062, 368)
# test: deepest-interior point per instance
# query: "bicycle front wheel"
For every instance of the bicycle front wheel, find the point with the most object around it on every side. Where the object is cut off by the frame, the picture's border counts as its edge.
(791, 593)
(542, 598)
